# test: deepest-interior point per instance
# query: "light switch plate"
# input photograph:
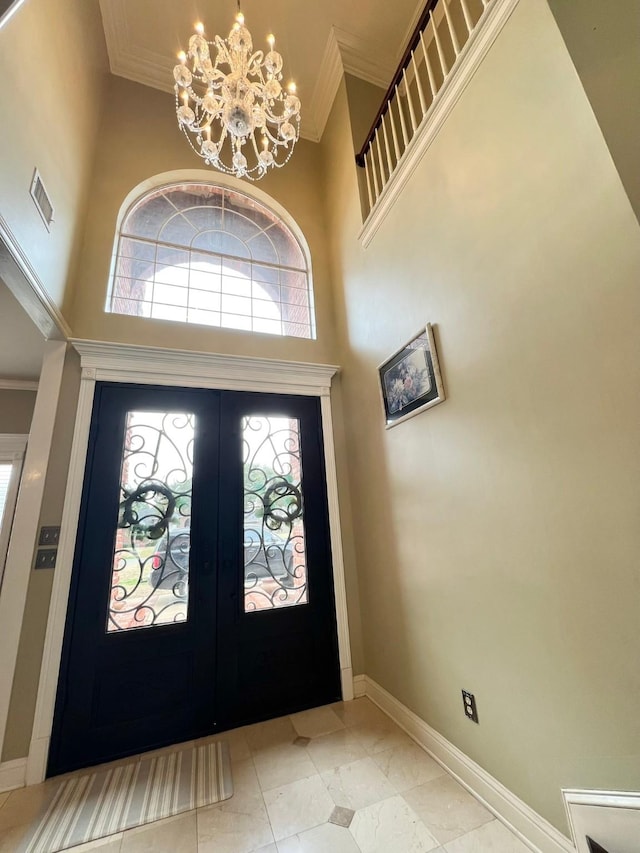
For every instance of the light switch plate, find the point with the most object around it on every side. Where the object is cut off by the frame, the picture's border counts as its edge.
(46, 558)
(49, 536)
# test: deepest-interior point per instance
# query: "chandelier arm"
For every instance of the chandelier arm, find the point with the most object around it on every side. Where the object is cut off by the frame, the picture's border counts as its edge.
(247, 100)
(256, 58)
(270, 136)
(223, 57)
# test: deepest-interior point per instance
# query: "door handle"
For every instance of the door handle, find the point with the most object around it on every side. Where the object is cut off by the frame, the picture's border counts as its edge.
(207, 567)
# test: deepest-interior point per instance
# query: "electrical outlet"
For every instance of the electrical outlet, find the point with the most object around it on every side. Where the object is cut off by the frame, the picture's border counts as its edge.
(49, 536)
(46, 558)
(470, 710)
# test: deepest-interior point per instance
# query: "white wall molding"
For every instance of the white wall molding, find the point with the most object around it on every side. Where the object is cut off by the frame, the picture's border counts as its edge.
(337, 557)
(345, 51)
(495, 17)
(359, 686)
(612, 818)
(52, 653)
(21, 279)
(12, 774)
(324, 92)
(25, 521)
(520, 818)
(371, 62)
(12, 445)
(152, 365)
(9, 12)
(18, 384)
(150, 68)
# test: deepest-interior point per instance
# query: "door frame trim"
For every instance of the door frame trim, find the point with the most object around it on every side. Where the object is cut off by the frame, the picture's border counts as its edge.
(107, 362)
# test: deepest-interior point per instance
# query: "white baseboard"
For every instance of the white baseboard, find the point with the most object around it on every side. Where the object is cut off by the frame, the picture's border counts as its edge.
(13, 774)
(359, 686)
(536, 832)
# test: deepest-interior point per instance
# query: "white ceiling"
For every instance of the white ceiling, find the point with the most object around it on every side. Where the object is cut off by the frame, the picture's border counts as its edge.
(317, 41)
(21, 343)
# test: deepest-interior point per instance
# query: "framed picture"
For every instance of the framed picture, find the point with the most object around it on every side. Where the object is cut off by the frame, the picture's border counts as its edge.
(410, 380)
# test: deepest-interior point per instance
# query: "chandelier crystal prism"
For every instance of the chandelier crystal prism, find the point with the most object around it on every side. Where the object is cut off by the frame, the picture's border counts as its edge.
(224, 103)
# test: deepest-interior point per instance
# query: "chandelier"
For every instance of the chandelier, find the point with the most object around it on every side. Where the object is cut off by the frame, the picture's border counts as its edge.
(224, 103)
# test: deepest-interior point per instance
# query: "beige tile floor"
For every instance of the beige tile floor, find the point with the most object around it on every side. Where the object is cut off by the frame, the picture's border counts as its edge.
(338, 779)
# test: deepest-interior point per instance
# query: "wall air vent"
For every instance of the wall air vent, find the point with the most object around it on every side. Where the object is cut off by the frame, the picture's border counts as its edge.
(42, 200)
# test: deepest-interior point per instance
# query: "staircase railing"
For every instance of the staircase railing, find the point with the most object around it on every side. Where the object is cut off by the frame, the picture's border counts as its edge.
(437, 44)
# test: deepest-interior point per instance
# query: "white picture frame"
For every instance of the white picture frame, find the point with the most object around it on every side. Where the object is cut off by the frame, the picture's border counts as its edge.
(410, 379)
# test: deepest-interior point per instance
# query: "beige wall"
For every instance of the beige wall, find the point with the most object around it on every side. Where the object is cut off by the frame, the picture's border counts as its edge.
(604, 42)
(34, 623)
(16, 410)
(53, 64)
(364, 103)
(496, 534)
(139, 138)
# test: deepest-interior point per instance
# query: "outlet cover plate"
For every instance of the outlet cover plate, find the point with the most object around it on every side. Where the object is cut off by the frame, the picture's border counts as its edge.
(469, 702)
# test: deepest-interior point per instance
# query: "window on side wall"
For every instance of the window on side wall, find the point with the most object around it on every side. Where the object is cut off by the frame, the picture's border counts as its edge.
(12, 448)
(204, 254)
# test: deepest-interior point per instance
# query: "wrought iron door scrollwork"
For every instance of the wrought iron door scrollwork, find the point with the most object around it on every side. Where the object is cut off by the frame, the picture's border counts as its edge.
(142, 497)
(275, 571)
(151, 554)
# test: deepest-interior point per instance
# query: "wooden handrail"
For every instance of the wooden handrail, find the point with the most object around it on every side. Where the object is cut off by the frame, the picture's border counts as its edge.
(404, 62)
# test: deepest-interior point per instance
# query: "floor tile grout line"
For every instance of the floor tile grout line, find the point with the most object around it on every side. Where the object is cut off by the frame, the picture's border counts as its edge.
(264, 802)
(253, 752)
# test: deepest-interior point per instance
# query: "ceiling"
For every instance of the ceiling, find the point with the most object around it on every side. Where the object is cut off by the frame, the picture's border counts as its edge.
(317, 40)
(21, 343)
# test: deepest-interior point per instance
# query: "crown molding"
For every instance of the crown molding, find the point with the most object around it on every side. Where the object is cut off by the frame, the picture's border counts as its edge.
(22, 280)
(344, 52)
(324, 93)
(18, 384)
(363, 59)
(101, 360)
(129, 60)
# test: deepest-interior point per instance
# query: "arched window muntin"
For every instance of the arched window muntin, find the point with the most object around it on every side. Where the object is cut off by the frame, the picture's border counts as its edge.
(205, 253)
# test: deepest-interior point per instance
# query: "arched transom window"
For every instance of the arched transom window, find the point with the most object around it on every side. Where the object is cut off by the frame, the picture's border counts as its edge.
(197, 253)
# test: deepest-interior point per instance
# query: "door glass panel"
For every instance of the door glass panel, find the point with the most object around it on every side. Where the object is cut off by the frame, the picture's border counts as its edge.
(150, 570)
(275, 565)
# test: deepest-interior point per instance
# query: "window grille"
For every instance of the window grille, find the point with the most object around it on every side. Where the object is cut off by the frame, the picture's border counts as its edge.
(198, 253)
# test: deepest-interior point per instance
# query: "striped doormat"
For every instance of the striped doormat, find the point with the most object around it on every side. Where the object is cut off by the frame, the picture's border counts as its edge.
(112, 799)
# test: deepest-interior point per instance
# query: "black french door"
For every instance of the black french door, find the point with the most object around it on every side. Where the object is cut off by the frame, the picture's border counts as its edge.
(202, 589)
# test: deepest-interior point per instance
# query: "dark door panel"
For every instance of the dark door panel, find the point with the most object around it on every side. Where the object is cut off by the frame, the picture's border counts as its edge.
(286, 655)
(202, 592)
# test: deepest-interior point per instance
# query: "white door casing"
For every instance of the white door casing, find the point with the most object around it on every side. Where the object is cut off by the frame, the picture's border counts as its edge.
(25, 520)
(108, 362)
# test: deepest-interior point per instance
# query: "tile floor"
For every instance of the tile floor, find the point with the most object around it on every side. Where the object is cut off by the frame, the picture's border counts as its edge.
(338, 779)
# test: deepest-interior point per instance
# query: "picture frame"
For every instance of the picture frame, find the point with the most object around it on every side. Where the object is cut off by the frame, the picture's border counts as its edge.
(410, 379)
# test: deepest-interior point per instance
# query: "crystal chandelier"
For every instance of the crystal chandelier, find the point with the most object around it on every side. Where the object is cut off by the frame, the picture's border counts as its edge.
(223, 104)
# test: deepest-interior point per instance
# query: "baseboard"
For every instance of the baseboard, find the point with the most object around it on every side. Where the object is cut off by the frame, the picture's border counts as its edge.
(13, 774)
(359, 686)
(536, 832)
